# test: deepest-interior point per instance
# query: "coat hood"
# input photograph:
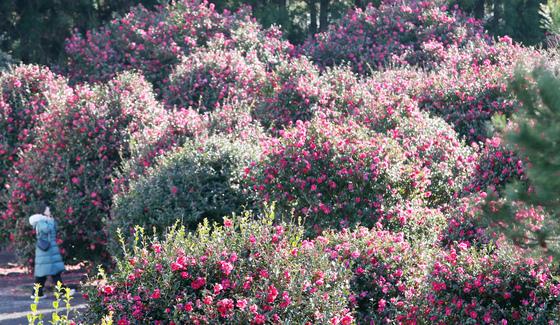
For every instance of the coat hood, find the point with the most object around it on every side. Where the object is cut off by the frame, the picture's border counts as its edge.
(34, 219)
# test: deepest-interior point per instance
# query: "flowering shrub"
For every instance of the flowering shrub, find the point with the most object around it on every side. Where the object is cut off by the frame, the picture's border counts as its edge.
(335, 175)
(176, 127)
(205, 79)
(409, 32)
(248, 36)
(465, 225)
(468, 97)
(149, 41)
(79, 144)
(154, 42)
(234, 118)
(381, 103)
(242, 272)
(496, 166)
(26, 93)
(291, 92)
(386, 270)
(168, 132)
(470, 285)
(443, 161)
(200, 180)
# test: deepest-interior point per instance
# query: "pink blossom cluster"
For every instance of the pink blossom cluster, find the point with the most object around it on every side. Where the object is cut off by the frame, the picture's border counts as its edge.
(26, 91)
(81, 138)
(496, 166)
(471, 86)
(153, 42)
(491, 287)
(335, 175)
(208, 78)
(145, 40)
(382, 283)
(244, 272)
(396, 32)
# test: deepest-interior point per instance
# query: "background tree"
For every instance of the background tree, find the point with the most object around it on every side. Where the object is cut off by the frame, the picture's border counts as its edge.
(529, 211)
(519, 19)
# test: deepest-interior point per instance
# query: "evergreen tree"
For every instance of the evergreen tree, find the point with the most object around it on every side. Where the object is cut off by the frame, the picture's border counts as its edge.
(519, 19)
(536, 137)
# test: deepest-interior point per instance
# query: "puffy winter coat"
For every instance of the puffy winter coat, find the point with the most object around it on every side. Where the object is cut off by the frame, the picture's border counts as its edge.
(47, 262)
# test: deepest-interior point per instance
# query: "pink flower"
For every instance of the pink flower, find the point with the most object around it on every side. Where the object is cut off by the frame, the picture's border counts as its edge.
(381, 305)
(225, 306)
(208, 300)
(272, 294)
(156, 294)
(228, 223)
(241, 303)
(259, 319)
(198, 283)
(108, 290)
(226, 267)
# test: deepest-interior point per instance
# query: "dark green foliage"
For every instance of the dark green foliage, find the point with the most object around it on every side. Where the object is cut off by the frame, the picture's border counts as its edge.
(519, 19)
(200, 180)
(531, 209)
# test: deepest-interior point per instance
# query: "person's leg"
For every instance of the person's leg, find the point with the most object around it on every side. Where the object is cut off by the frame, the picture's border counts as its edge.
(41, 281)
(57, 278)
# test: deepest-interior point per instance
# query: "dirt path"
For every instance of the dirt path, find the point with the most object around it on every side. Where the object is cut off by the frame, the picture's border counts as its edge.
(16, 286)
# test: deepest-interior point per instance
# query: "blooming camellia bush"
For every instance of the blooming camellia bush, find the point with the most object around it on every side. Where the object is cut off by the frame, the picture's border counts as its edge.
(79, 144)
(480, 286)
(242, 272)
(386, 273)
(408, 32)
(149, 41)
(468, 98)
(26, 91)
(153, 42)
(496, 166)
(205, 79)
(291, 92)
(200, 180)
(335, 175)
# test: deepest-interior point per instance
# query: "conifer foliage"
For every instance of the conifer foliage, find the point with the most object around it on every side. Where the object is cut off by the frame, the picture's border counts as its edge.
(531, 208)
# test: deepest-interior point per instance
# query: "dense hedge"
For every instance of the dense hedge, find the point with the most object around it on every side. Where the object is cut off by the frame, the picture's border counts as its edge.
(242, 272)
(200, 180)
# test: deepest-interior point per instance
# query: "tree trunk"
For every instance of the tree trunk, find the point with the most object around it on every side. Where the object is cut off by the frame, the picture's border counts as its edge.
(497, 14)
(313, 17)
(359, 4)
(479, 9)
(324, 15)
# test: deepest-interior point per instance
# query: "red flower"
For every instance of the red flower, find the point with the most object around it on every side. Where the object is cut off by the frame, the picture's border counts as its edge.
(156, 294)
(272, 294)
(198, 283)
(228, 223)
(225, 306)
(108, 290)
(259, 319)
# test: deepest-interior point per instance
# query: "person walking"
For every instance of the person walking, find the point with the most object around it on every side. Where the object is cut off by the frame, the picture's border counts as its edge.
(48, 261)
